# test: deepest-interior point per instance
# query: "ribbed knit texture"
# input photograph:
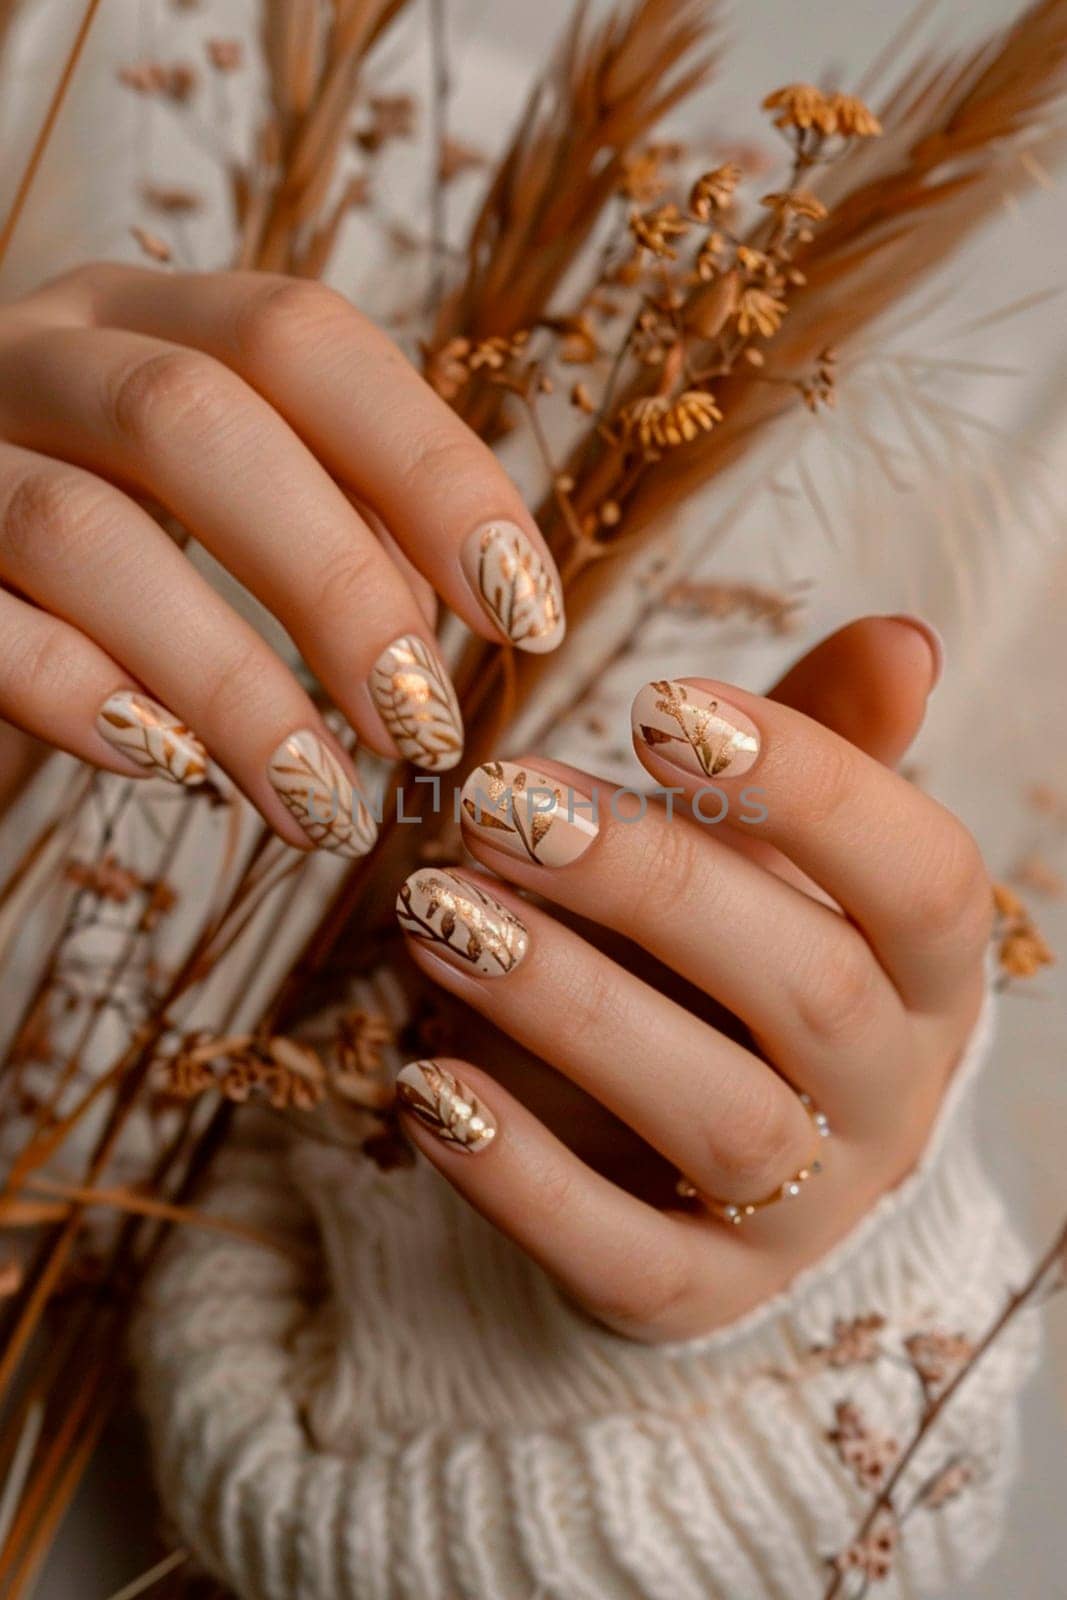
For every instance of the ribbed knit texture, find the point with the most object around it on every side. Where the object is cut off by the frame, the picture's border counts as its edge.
(406, 1407)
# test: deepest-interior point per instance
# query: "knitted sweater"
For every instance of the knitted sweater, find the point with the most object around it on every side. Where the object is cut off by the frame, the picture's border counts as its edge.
(401, 1405)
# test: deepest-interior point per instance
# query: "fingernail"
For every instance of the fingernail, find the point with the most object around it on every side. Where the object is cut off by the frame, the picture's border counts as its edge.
(461, 922)
(518, 588)
(933, 639)
(417, 703)
(695, 731)
(445, 1106)
(521, 811)
(318, 794)
(146, 733)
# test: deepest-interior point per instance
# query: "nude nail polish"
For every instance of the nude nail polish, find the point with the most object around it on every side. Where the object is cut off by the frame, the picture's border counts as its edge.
(318, 794)
(146, 733)
(417, 703)
(518, 587)
(446, 1106)
(461, 922)
(696, 731)
(528, 814)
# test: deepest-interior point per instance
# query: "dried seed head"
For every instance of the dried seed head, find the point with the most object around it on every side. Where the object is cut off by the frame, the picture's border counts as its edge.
(802, 106)
(855, 120)
(714, 191)
(760, 312)
(796, 203)
(654, 230)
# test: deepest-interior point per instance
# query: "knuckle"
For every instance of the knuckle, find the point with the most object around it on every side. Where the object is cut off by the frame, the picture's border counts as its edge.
(37, 667)
(594, 997)
(951, 898)
(765, 1143)
(838, 994)
(49, 512)
(286, 314)
(828, 786)
(165, 392)
(347, 583)
(666, 875)
(225, 689)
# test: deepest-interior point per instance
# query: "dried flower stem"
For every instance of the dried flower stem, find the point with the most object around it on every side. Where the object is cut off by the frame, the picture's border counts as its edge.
(40, 144)
(1052, 1258)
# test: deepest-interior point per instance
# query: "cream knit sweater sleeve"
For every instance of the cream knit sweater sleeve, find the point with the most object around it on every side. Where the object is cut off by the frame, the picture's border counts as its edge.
(399, 1406)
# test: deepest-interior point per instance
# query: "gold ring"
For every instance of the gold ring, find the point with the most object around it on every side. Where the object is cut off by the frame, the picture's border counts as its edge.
(735, 1211)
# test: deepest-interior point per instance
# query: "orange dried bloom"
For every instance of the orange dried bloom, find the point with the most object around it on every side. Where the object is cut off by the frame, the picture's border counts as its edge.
(655, 230)
(661, 424)
(714, 191)
(855, 120)
(796, 203)
(225, 55)
(802, 105)
(760, 312)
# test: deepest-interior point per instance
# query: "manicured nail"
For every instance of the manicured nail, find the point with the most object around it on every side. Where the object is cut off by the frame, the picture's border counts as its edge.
(695, 731)
(528, 814)
(461, 921)
(149, 735)
(318, 794)
(517, 586)
(417, 703)
(933, 639)
(447, 1107)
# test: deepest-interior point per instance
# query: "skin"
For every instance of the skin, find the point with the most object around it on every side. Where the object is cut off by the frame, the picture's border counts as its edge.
(838, 949)
(294, 441)
(848, 938)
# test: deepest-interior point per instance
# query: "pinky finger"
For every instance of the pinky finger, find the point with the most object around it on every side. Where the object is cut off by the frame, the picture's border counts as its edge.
(60, 686)
(622, 1260)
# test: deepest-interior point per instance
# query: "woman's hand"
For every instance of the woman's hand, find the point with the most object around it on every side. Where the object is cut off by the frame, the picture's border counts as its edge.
(295, 442)
(844, 927)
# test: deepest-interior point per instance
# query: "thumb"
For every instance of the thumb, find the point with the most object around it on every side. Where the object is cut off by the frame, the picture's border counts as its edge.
(869, 682)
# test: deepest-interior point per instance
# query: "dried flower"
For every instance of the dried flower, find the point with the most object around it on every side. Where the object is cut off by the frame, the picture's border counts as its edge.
(286, 1074)
(855, 120)
(155, 248)
(714, 191)
(1021, 950)
(496, 352)
(754, 261)
(710, 257)
(803, 106)
(654, 230)
(873, 1554)
(659, 424)
(870, 1456)
(581, 398)
(457, 158)
(448, 370)
(392, 117)
(108, 879)
(642, 176)
(938, 1357)
(171, 200)
(225, 55)
(855, 1342)
(796, 203)
(760, 311)
(946, 1485)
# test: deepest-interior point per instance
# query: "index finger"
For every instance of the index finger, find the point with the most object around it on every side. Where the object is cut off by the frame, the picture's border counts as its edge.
(373, 422)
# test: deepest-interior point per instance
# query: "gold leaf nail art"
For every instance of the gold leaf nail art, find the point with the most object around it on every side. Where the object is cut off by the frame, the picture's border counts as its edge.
(693, 730)
(146, 733)
(417, 703)
(518, 587)
(319, 795)
(528, 814)
(461, 920)
(448, 1107)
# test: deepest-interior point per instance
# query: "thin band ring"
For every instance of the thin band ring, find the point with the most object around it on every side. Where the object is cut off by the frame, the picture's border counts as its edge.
(735, 1212)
